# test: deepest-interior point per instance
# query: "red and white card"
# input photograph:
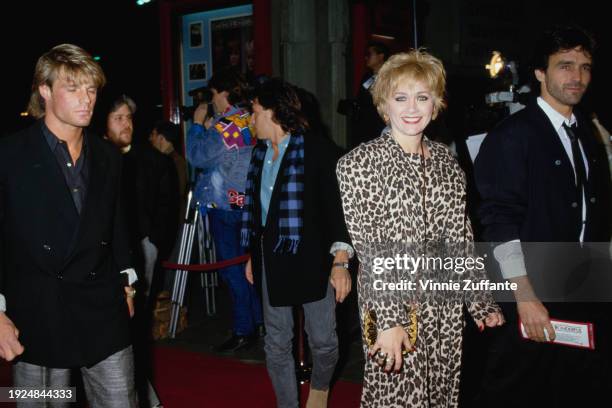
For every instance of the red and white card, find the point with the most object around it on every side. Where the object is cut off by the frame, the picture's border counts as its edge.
(568, 333)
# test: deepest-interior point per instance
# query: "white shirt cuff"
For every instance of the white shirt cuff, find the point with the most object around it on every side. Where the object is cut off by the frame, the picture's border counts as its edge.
(132, 277)
(342, 246)
(2, 303)
(511, 260)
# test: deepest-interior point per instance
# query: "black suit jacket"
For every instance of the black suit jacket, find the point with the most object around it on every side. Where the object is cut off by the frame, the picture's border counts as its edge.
(367, 121)
(150, 189)
(303, 277)
(60, 271)
(528, 190)
(526, 182)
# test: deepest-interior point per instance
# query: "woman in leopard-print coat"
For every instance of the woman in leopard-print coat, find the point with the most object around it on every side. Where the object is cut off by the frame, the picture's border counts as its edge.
(404, 188)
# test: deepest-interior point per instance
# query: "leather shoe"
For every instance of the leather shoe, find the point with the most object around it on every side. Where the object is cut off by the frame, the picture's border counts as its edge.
(234, 343)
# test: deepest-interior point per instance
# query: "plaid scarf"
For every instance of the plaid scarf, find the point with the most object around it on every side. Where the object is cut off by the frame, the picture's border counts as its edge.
(291, 216)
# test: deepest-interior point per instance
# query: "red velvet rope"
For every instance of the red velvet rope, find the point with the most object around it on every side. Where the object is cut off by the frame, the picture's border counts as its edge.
(207, 267)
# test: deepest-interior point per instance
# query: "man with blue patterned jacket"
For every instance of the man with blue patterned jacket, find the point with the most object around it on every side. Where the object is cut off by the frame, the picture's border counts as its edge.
(221, 147)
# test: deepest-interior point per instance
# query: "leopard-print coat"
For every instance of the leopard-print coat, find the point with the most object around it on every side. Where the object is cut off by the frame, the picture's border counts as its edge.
(382, 201)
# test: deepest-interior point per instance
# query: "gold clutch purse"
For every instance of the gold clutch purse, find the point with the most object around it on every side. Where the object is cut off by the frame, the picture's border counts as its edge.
(371, 328)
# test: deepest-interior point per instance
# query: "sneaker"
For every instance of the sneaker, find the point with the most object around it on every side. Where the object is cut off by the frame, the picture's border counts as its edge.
(234, 344)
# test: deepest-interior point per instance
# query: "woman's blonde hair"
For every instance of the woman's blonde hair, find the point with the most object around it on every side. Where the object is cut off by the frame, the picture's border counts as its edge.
(67, 60)
(415, 66)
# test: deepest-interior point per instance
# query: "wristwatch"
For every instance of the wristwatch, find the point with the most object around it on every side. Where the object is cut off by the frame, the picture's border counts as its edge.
(344, 265)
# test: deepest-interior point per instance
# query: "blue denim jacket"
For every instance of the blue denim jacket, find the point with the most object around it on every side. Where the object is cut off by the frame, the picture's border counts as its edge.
(223, 153)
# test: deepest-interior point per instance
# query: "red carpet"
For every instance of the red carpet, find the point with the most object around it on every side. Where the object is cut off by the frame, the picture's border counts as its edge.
(192, 380)
(186, 379)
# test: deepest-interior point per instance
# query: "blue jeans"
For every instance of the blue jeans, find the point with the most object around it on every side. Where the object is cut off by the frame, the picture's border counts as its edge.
(247, 313)
(320, 325)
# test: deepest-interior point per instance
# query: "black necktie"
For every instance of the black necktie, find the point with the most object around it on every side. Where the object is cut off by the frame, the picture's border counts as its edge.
(578, 164)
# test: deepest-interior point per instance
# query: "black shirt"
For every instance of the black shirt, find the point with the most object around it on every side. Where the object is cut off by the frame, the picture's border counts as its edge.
(75, 174)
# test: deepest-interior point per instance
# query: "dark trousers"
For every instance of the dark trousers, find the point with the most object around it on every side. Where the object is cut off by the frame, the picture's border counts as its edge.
(523, 373)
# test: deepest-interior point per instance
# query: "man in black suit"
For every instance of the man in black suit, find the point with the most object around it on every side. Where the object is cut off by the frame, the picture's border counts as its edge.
(149, 187)
(543, 178)
(65, 265)
(150, 192)
(367, 123)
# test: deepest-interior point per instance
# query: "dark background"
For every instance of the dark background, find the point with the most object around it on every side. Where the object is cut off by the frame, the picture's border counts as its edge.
(126, 37)
(512, 28)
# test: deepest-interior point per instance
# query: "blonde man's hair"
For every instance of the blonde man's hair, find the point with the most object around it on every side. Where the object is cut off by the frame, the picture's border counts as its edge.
(68, 60)
(415, 65)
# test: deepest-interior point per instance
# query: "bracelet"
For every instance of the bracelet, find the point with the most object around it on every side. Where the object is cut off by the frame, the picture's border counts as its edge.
(131, 293)
(344, 265)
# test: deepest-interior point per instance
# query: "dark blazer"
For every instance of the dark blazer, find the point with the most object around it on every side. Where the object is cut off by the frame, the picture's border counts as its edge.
(303, 277)
(526, 182)
(367, 121)
(150, 187)
(60, 272)
(528, 192)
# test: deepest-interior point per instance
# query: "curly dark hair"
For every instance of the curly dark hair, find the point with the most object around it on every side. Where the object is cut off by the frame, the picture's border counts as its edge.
(232, 81)
(282, 98)
(561, 38)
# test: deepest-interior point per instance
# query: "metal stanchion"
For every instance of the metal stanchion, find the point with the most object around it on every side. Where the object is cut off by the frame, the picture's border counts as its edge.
(180, 277)
(303, 369)
(208, 279)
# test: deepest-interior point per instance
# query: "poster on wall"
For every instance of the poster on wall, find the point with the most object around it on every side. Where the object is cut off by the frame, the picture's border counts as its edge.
(232, 44)
(195, 34)
(197, 71)
(213, 40)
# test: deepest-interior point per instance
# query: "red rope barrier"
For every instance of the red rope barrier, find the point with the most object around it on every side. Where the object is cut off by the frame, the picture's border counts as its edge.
(207, 267)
